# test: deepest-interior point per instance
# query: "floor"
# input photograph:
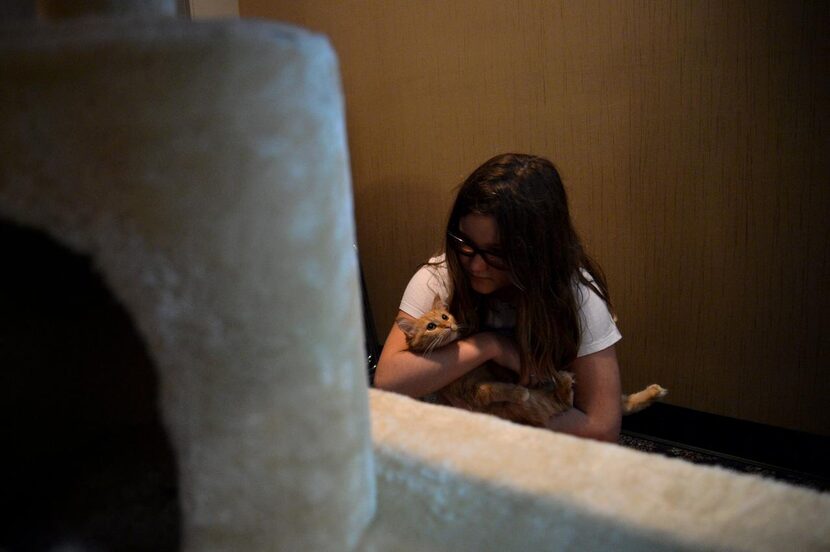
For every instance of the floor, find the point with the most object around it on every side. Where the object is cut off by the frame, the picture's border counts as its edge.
(790, 456)
(711, 458)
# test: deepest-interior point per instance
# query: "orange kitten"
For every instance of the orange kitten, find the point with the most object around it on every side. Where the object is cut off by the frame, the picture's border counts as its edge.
(486, 388)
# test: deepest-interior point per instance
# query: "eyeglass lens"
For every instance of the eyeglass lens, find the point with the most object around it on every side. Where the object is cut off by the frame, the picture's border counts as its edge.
(469, 250)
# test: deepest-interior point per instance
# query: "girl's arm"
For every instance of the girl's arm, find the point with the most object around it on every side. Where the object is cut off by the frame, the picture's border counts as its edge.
(597, 411)
(416, 375)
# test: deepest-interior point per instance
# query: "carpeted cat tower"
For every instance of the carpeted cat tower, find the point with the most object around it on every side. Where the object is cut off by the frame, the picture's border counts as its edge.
(204, 167)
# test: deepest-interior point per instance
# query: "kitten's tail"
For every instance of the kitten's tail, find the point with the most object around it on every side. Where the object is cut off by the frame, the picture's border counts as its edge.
(637, 401)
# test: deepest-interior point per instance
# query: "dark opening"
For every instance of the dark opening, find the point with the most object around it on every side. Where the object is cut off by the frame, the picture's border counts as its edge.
(85, 463)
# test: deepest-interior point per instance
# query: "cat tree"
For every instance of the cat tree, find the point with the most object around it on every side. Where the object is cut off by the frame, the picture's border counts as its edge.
(205, 169)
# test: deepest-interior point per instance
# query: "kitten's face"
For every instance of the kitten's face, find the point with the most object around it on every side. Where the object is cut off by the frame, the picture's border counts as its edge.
(434, 329)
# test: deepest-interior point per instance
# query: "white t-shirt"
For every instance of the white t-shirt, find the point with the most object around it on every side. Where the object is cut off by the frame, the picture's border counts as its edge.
(597, 326)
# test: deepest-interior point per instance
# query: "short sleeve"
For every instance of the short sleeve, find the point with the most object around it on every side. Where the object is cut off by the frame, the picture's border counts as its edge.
(598, 328)
(430, 280)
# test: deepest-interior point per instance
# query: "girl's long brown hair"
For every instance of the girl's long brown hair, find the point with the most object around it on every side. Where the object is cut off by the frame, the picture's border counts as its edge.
(543, 253)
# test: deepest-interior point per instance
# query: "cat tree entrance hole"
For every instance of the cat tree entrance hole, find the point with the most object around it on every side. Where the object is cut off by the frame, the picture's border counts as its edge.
(86, 462)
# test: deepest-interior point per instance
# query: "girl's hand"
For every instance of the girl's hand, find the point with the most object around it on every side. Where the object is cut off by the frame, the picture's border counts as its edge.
(504, 351)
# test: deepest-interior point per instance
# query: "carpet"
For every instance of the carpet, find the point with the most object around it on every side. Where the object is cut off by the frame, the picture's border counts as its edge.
(713, 458)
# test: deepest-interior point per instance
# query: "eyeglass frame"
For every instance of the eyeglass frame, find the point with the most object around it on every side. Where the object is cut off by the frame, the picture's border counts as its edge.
(458, 242)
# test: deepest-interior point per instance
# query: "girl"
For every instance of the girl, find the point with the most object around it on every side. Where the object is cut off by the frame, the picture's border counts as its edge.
(515, 274)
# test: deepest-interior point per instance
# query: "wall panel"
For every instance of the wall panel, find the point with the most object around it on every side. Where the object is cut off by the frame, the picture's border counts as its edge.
(692, 138)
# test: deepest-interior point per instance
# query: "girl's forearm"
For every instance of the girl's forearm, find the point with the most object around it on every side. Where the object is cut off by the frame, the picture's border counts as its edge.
(576, 422)
(416, 374)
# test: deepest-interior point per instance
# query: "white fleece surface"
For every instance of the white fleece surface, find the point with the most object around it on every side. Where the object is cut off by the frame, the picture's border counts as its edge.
(205, 169)
(453, 480)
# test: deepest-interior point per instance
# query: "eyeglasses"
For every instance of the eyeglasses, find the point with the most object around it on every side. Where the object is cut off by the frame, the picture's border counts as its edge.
(465, 248)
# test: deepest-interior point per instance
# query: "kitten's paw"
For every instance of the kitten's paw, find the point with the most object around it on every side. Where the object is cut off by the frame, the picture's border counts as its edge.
(657, 391)
(565, 389)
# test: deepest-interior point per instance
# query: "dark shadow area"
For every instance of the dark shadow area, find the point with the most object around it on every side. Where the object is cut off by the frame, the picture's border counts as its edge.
(373, 348)
(86, 463)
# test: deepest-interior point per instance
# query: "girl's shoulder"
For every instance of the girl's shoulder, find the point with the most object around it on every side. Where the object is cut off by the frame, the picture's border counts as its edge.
(433, 271)
(598, 327)
(431, 279)
(437, 262)
(586, 293)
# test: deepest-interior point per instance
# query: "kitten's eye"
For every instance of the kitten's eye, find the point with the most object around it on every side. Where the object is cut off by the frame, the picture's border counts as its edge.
(431, 326)
(445, 317)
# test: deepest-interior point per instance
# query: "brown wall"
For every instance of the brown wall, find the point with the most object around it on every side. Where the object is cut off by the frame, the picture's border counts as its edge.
(692, 137)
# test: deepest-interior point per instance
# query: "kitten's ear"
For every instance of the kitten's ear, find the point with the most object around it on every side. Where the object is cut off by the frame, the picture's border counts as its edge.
(437, 303)
(406, 325)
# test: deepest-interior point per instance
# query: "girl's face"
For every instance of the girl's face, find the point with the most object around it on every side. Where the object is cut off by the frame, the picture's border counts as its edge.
(483, 233)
